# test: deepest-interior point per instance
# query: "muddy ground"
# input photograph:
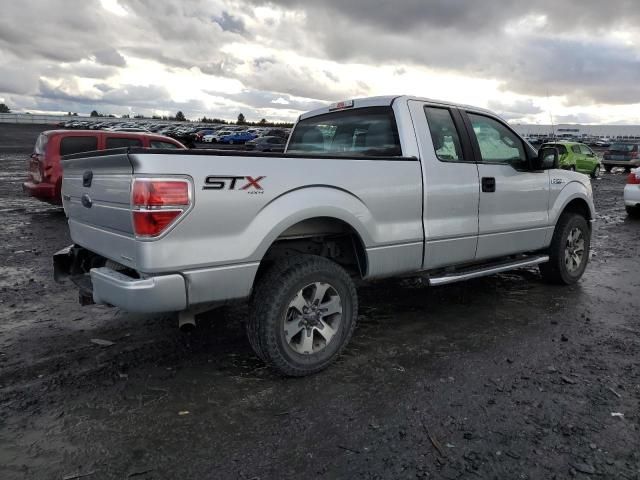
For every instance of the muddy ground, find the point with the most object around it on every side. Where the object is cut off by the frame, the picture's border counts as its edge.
(502, 377)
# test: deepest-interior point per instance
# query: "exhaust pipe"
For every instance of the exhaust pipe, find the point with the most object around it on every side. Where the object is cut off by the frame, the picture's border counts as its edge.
(186, 321)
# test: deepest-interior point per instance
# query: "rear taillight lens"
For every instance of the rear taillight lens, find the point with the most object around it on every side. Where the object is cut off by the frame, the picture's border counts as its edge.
(159, 193)
(157, 204)
(634, 178)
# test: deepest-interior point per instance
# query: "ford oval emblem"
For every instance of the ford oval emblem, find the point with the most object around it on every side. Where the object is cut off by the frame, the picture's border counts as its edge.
(86, 200)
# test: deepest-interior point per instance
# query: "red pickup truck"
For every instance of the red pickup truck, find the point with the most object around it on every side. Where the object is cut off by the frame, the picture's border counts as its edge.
(45, 171)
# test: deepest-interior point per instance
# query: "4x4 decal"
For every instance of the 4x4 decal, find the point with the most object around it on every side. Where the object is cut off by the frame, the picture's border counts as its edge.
(216, 182)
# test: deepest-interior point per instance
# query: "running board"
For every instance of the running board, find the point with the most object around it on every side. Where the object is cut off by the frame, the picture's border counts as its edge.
(486, 270)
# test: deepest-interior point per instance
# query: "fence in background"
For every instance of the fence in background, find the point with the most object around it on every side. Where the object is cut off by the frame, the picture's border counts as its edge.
(53, 119)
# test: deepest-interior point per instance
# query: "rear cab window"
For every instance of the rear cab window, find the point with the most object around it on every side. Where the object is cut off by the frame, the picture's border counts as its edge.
(367, 132)
(445, 137)
(122, 142)
(76, 144)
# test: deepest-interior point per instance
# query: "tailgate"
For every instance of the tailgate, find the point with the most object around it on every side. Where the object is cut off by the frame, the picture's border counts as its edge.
(96, 194)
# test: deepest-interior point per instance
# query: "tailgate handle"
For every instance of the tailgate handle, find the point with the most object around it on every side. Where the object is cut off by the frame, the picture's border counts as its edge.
(87, 177)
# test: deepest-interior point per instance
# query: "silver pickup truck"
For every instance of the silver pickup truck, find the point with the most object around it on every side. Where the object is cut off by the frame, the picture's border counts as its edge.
(366, 189)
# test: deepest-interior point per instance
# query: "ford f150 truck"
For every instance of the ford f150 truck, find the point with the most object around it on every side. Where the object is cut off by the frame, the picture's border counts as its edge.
(366, 189)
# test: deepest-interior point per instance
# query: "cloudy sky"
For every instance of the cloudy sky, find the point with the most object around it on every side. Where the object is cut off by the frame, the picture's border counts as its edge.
(576, 59)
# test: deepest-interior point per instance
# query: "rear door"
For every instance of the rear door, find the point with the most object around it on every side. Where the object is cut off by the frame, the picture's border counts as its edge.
(514, 201)
(588, 159)
(451, 188)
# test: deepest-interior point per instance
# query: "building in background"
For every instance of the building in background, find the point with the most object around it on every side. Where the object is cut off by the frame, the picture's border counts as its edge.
(613, 132)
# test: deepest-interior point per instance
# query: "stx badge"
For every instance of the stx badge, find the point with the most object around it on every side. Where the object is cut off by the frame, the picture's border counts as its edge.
(215, 182)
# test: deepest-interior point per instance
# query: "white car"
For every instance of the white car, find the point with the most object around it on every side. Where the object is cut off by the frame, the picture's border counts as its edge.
(208, 138)
(632, 194)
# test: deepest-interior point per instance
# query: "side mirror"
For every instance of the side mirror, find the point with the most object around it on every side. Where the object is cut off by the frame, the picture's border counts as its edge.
(548, 158)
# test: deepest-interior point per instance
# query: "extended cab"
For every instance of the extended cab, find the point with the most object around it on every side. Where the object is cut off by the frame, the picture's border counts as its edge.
(366, 189)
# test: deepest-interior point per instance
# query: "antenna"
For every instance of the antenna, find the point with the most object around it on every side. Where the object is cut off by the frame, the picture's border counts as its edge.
(553, 128)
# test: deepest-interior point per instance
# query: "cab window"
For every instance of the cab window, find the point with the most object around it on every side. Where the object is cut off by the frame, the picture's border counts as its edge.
(497, 143)
(446, 141)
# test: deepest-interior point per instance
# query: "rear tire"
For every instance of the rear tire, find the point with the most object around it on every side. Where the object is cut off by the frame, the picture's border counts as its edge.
(627, 169)
(633, 212)
(293, 342)
(608, 168)
(595, 172)
(569, 250)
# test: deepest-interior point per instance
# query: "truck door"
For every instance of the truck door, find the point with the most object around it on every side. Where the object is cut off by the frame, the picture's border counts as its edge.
(451, 185)
(514, 200)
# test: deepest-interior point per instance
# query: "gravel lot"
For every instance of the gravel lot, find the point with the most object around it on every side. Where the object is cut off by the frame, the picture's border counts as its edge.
(502, 377)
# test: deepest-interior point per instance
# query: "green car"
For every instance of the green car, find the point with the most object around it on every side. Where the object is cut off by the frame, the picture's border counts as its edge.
(577, 157)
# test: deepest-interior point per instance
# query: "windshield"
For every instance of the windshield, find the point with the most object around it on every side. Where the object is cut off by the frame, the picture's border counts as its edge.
(623, 147)
(367, 131)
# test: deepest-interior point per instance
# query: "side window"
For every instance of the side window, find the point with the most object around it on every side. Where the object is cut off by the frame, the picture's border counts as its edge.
(157, 144)
(446, 141)
(122, 142)
(586, 150)
(71, 145)
(576, 149)
(497, 143)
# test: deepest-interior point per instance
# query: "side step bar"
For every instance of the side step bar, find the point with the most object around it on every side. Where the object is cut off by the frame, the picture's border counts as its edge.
(486, 270)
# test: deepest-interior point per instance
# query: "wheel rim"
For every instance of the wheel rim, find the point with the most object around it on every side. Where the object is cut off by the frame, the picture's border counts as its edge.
(312, 318)
(574, 250)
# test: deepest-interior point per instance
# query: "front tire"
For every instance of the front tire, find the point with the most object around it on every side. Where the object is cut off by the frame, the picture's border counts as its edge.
(595, 172)
(569, 250)
(303, 314)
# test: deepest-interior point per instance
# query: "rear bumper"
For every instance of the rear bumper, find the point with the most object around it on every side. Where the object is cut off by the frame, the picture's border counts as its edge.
(162, 293)
(621, 163)
(43, 191)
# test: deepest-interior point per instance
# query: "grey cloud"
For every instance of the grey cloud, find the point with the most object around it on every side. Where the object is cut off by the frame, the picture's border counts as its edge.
(471, 38)
(111, 57)
(264, 99)
(517, 108)
(229, 23)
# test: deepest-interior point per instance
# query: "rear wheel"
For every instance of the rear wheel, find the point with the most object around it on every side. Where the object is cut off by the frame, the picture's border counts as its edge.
(595, 172)
(608, 168)
(633, 212)
(569, 250)
(303, 313)
(627, 169)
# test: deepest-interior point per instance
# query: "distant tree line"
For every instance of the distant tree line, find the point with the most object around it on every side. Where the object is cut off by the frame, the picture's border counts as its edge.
(4, 108)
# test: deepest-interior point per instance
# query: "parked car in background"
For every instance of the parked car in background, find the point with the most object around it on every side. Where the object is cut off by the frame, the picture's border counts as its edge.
(622, 154)
(275, 132)
(45, 171)
(577, 157)
(237, 137)
(266, 144)
(632, 194)
(603, 142)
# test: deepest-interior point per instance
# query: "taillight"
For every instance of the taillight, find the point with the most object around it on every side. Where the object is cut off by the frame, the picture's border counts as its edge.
(634, 178)
(157, 204)
(634, 154)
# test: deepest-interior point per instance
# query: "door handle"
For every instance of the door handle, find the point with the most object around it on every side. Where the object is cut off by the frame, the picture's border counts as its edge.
(488, 184)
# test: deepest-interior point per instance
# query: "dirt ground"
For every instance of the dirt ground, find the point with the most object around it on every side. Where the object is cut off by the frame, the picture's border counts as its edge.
(498, 378)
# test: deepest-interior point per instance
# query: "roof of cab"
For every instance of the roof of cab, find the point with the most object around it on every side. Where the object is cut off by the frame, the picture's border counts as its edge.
(388, 100)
